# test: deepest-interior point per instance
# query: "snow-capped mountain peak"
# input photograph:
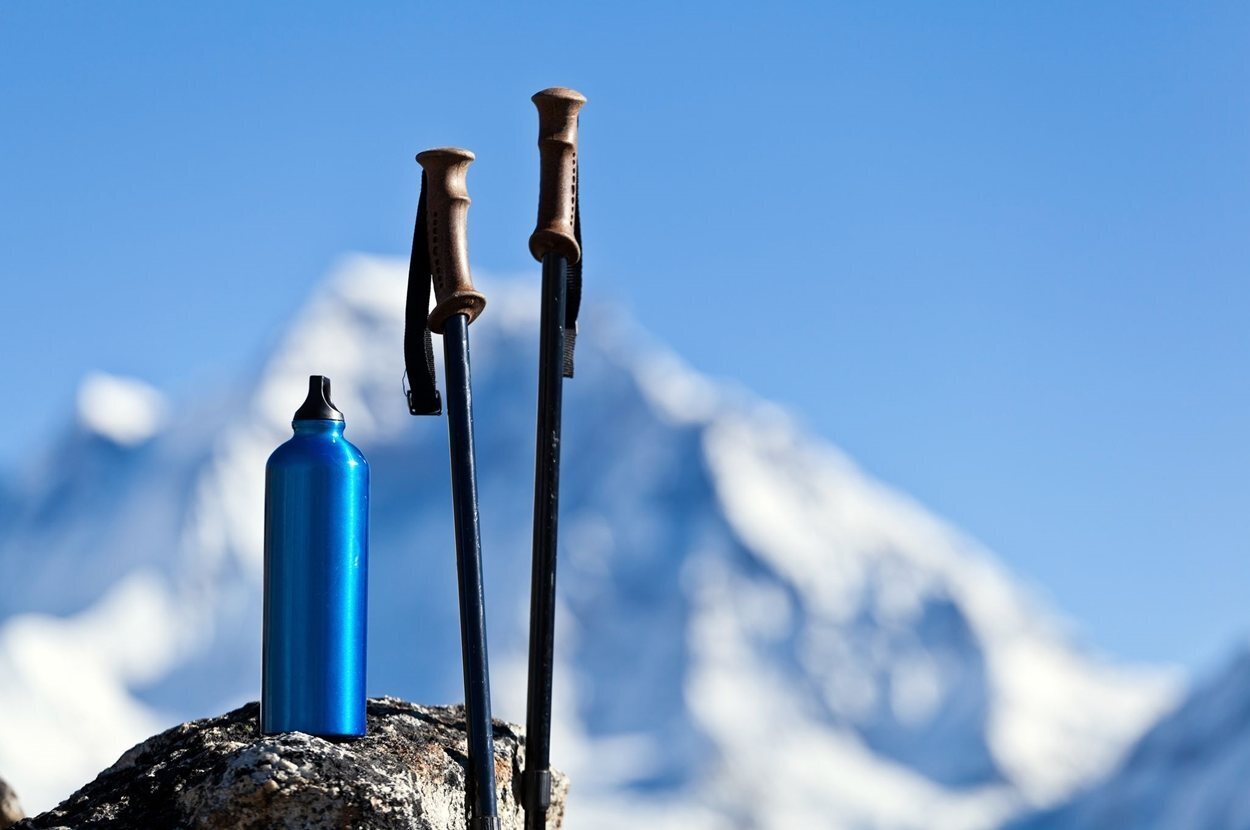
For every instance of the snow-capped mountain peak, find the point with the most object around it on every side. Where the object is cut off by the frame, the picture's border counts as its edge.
(753, 632)
(124, 410)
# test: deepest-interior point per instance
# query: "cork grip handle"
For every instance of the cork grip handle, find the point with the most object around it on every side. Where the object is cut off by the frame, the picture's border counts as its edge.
(557, 187)
(446, 211)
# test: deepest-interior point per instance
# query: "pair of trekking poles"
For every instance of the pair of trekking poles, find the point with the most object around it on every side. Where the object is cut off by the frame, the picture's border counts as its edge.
(440, 261)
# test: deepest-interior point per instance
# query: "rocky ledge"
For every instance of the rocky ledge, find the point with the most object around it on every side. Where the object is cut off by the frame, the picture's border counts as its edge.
(408, 772)
(10, 810)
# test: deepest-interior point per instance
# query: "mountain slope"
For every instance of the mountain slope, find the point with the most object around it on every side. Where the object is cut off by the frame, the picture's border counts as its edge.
(1187, 773)
(753, 633)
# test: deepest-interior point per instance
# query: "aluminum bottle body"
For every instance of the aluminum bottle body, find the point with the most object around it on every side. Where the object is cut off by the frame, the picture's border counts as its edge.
(316, 576)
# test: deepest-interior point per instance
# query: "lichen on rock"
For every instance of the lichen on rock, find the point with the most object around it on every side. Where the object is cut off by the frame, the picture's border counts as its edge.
(219, 774)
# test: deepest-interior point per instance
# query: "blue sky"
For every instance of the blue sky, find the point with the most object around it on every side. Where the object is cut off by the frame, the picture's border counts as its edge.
(996, 251)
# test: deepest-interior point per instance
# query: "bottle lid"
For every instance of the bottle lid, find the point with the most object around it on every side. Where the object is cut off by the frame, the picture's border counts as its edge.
(318, 407)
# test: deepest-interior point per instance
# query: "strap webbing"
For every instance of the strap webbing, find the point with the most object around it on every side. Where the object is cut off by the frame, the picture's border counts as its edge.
(423, 397)
(573, 296)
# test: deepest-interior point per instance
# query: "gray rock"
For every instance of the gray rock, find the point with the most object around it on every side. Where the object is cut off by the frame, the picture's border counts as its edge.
(10, 810)
(219, 774)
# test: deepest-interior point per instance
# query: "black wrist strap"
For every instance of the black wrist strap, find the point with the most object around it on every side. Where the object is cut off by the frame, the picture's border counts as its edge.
(422, 391)
(573, 289)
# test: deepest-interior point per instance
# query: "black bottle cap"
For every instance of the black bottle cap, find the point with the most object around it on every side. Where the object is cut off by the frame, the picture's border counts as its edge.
(318, 406)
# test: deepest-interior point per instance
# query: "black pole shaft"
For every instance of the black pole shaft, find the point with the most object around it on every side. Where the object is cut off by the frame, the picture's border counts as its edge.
(546, 519)
(481, 768)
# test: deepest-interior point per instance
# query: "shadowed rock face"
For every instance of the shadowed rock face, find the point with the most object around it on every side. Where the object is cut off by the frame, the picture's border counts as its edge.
(10, 810)
(219, 774)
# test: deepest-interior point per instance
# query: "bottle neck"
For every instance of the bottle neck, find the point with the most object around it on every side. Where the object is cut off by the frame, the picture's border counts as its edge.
(311, 426)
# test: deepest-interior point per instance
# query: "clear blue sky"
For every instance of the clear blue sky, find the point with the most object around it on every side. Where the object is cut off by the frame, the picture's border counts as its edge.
(999, 252)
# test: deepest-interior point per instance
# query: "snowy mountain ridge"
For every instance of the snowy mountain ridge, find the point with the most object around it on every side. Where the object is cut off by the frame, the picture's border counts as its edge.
(753, 633)
(1187, 772)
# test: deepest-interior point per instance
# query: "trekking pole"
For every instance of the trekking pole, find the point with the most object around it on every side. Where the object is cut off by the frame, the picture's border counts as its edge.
(556, 242)
(440, 258)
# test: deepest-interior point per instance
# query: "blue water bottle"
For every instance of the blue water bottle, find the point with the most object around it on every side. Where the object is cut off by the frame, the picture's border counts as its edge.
(316, 541)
